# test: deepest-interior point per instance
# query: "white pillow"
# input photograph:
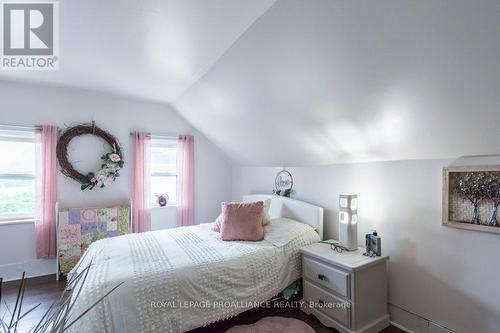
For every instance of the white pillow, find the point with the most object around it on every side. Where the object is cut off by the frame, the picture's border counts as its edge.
(267, 218)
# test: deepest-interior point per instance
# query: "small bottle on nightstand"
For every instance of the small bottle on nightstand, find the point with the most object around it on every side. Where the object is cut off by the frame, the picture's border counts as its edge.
(373, 245)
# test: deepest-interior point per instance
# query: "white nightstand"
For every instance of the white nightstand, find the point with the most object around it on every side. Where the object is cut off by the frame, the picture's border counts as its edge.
(349, 290)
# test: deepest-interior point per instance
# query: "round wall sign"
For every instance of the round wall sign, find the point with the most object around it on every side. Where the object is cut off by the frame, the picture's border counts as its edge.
(283, 181)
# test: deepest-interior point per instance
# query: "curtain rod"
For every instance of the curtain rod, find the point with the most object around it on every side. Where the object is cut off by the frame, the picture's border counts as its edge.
(167, 136)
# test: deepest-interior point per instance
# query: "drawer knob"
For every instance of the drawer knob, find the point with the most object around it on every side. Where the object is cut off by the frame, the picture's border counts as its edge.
(321, 277)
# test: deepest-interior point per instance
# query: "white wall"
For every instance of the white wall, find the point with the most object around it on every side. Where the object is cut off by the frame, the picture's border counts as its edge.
(446, 275)
(32, 104)
(330, 81)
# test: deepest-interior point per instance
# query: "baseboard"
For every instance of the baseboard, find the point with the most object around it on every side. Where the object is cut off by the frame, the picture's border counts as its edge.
(414, 323)
(436, 328)
(33, 268)
(401, 327)
(32, 281)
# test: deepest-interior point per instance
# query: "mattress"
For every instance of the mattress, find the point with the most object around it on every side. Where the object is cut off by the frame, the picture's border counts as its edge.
(179, 279)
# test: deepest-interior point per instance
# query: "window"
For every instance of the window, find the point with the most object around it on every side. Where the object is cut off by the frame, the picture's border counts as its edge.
(163, 169)
(17, 173)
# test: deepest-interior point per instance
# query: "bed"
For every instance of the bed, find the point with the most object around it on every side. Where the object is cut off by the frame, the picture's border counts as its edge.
(183, 278)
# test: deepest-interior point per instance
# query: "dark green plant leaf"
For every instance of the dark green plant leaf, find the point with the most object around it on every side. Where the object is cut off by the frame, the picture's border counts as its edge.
(91, 307)
(55, 319)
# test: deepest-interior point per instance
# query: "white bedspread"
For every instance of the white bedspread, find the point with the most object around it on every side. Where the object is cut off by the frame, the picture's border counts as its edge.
(183, 278)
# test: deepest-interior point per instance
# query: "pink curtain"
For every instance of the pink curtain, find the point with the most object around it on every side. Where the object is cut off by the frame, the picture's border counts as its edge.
(185, 172)
(45, 227)
(141, 219)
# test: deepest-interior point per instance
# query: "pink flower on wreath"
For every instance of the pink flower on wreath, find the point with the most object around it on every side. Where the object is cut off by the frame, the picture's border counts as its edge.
(114, 158)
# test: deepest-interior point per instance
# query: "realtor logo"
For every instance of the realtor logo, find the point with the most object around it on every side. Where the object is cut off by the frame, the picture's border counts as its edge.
(29, 35)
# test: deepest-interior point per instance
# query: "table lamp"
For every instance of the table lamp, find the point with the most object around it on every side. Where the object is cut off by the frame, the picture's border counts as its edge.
(348, 221)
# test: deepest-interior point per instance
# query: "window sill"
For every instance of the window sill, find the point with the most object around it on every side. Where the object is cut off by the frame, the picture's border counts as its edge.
(164, 207)
(12, 222)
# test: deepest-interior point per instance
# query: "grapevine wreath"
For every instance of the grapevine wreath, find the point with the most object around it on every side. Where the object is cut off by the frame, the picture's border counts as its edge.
(112, 162)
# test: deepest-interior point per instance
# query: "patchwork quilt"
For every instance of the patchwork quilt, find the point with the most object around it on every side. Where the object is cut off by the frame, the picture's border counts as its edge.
(78, 228)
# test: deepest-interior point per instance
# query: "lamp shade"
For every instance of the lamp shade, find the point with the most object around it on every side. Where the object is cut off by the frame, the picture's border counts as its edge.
(348, 221)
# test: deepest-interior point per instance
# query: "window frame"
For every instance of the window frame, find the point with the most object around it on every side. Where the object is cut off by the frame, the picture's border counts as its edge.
(158, 141)
(18, 217)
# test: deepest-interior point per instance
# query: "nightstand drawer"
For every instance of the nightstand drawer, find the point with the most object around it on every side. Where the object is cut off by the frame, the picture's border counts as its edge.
(327, 276)
(331, 305)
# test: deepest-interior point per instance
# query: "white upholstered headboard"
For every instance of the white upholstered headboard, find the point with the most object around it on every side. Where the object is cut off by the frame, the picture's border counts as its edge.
(293, 209)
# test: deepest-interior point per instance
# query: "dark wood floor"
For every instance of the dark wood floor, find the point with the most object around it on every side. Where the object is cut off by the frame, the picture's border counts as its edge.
(46, 290)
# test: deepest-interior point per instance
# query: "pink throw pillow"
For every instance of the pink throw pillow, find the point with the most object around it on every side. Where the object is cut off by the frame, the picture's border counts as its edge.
(265, 217)
(242, 221)
(216, 226)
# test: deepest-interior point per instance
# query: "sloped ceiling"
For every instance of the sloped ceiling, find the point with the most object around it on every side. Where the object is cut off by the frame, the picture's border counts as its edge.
(328, 81)
(295, 82)
(149, 49)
